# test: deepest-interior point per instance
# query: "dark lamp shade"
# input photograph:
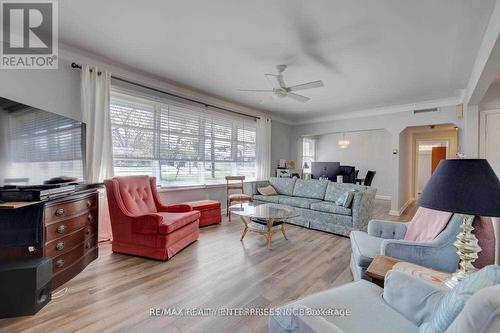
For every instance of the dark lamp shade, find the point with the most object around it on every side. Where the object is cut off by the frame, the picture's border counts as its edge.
(464, 186)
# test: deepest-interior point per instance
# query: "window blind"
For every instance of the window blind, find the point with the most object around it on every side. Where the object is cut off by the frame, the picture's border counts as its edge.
(179, 144)
(44, 145)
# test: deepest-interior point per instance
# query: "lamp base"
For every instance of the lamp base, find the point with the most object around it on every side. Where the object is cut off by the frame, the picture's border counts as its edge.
(467, 250)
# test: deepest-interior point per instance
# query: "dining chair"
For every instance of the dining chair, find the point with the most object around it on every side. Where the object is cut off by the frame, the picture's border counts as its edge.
(235, 183)
(369, 178)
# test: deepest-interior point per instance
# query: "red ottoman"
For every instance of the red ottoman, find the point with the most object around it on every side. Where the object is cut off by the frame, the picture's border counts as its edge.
(209, 209)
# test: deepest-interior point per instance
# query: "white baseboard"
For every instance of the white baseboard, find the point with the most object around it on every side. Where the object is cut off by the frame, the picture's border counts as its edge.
(401, 210)
(383, 197)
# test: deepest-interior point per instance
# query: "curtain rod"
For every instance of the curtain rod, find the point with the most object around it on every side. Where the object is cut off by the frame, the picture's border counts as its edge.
(78, 66)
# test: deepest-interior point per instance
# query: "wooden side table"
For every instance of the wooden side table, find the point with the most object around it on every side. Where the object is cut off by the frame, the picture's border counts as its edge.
(382, 264)
(379, 267)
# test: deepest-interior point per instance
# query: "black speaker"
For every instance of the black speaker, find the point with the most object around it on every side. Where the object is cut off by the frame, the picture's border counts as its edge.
(25, 286)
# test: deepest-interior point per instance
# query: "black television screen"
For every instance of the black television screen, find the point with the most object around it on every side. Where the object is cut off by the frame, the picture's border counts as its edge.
(37, 145)
(328, 170)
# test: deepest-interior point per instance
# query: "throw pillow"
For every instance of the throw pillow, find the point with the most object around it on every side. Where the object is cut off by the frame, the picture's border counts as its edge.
(426, 225)
(267, 190)
(454, 301)
(345, 200)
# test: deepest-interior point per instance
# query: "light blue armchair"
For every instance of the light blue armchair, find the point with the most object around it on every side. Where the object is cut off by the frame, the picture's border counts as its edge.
(406, 304)
(387, 238)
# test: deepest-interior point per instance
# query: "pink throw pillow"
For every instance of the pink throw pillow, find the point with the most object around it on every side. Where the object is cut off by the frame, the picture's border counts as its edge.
(426, 224)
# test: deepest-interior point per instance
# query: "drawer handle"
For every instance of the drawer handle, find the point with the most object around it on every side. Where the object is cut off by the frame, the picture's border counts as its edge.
(60, 212)
(87, 245)
(89, 217)
(61, 229)
(60, 263)
(87, 231)
(89, 203)
(59, 245)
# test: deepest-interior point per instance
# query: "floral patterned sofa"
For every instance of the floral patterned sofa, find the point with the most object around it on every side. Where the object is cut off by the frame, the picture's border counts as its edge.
(315, 201)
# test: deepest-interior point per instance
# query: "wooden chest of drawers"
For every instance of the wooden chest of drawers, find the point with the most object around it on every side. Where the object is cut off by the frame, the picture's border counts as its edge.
(70, 234)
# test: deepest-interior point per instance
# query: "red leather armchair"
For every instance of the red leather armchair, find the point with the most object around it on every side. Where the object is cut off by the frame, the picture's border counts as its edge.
(142, 225)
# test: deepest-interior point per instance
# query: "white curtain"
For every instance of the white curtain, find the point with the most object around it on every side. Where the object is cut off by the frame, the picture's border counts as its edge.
(95, 86)
(300, 152)
(263, 148)
(95, 93)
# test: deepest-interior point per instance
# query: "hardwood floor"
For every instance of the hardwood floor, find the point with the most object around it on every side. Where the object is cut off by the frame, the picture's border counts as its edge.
(116, 292)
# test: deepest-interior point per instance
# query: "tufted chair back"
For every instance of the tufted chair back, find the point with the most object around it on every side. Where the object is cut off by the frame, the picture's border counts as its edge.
(136, 194)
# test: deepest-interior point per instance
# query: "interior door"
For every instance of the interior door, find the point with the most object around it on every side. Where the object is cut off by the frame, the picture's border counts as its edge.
(490, 143)
(438, 154)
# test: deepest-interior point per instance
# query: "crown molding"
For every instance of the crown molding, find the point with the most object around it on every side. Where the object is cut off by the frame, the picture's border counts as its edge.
(455, 100)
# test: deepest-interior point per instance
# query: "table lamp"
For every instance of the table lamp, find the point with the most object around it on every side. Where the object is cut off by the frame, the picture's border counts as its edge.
(469, 187)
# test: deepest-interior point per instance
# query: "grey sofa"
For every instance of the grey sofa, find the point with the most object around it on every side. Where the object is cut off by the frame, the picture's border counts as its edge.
(387, 238)
(315, 201)
(406, 304)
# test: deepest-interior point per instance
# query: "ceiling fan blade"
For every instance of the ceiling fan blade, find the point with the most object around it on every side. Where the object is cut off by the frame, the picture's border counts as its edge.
(298, 97)
(276, 81)
(256, 90)
(309, 85)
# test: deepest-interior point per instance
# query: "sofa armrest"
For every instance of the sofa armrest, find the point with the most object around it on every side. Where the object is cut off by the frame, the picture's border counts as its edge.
(387, 229)
(427, 254)
(362, 207)
(146, 224)
(414, 298)
(175, 208)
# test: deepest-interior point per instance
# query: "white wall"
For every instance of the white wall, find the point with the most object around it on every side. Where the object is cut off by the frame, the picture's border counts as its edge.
(281, 135)
(368, 150)
(405, 170)
(424, 166)
(56, 90)
(394, 123)
(491, 99)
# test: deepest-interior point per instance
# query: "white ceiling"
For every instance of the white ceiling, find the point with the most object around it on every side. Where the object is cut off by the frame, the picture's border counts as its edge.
(368, 53)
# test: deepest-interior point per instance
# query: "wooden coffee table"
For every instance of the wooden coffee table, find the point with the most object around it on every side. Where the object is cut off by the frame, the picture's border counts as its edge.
(379, 267)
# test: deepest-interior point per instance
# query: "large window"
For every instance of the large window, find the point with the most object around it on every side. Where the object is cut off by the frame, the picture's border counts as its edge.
(308, 153)
(180, 144)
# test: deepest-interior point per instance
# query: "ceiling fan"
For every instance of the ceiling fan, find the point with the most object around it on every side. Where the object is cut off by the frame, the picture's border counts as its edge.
(279, 88)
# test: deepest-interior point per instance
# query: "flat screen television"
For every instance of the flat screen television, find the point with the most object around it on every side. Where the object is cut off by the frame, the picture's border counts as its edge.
(328, 170)
(36, 145)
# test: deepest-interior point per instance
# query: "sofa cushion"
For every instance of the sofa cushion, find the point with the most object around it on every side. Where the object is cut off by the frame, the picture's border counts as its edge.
(329, 207)
(283, 185)
(454, 301)
(335, 190)
(313, 189)
(297, 202)
(136, 194)
(345, 200)
(174, 221)
(267, 190)
(361, 298)
(364, 247)
(269, 198)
